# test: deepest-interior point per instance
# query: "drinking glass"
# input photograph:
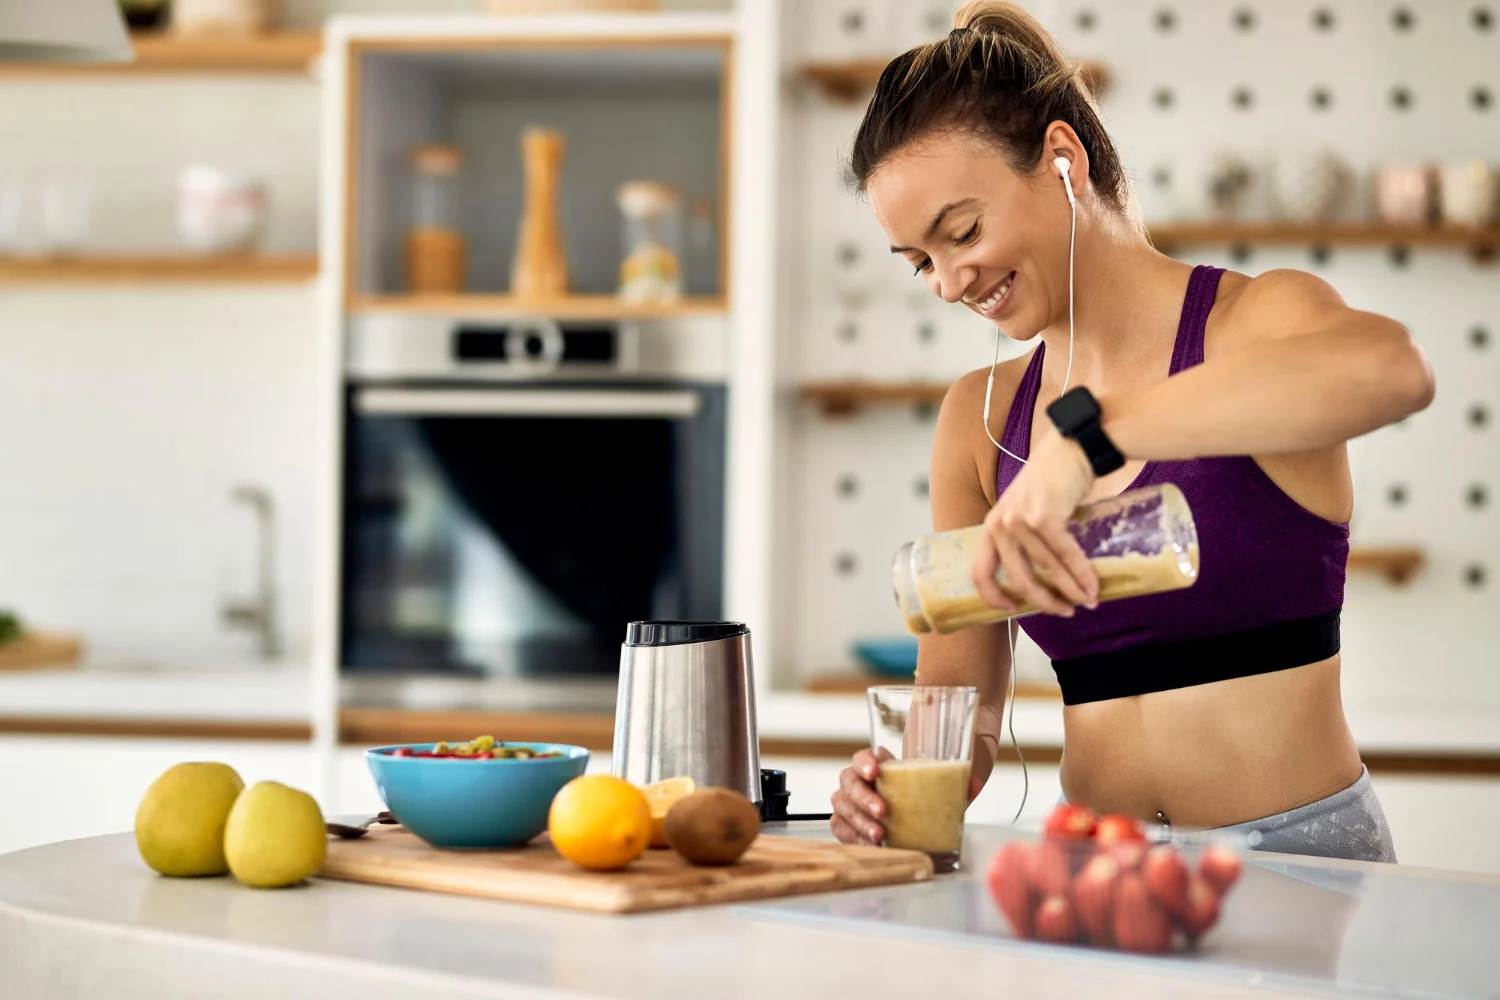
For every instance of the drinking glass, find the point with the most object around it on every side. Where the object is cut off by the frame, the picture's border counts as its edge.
(922, 737)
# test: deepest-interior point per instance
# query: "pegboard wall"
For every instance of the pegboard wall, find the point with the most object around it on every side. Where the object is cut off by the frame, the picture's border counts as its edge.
(1268, 81)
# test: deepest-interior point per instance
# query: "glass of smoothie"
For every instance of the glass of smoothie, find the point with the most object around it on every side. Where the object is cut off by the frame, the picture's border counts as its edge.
(921, 736)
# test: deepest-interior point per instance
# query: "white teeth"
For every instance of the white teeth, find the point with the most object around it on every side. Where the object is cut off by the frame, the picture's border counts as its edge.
(994, 300)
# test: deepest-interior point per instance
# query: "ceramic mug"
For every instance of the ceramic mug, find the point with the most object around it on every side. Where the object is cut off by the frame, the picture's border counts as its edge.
(1309, 185)
(219, 210)
(1467, 193)
(1230, 183)
(1404, 194)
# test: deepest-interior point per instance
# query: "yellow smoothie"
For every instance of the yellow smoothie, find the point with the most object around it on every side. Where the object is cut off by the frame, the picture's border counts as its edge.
(925, 802)
(1145, 543)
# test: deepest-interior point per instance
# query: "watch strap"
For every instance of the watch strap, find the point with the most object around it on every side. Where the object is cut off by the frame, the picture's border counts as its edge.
(1099, 449)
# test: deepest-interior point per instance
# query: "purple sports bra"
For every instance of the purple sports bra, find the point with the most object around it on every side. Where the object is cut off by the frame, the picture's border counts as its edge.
(1271, 573)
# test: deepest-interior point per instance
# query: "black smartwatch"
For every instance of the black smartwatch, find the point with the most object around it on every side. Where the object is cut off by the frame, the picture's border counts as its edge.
(1075, 414)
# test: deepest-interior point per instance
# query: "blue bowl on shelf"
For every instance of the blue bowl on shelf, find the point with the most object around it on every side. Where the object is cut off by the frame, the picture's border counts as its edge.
(895, 657)
(452, 802)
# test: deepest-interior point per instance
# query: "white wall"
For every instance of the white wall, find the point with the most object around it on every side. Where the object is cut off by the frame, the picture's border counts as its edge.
(127, 414)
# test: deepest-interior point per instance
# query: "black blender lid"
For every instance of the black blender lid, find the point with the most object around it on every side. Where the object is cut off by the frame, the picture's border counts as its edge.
(680, 633)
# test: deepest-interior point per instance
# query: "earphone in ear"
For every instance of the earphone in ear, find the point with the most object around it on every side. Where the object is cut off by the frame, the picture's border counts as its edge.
(1063, 165)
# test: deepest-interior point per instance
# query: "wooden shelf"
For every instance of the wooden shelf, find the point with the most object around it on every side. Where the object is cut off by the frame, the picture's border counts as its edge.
(160, 269)
(850, 80)
(837, 399)
(1397, 563)
(159, 52)
(568, 307)
(1330, 234)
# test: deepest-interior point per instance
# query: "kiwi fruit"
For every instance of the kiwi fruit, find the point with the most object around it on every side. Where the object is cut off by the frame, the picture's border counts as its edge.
(712, 826)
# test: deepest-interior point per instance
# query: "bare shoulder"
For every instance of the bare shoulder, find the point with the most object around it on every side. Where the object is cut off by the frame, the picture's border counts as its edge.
(1277, 303)
(963, 459)
(958, 420)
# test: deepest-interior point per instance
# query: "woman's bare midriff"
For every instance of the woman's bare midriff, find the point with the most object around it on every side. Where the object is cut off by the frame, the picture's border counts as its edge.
(1214, 754)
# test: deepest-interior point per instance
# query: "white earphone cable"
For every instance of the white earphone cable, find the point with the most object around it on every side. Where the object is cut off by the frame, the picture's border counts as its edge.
(1062, 166)
(1010, 629)
(989, 385)
(1072, 237)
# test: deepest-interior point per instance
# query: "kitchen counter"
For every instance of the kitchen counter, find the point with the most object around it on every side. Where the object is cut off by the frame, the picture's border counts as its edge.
(87, 918)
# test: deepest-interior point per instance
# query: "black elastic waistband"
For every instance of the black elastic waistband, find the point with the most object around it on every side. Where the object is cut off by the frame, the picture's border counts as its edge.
(1162, 666)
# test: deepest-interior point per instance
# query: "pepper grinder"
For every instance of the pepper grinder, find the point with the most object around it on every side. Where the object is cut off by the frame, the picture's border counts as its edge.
(540, 270)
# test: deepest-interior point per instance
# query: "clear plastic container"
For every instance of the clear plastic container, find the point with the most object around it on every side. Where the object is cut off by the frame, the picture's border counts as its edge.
(651, 265)
(1139, 894)
(1141, 542)
(436, 251)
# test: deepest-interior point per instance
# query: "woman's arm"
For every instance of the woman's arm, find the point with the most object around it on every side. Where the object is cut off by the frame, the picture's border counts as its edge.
(961, 482)
(1291, 370)
(960, 468)
(1298, 371)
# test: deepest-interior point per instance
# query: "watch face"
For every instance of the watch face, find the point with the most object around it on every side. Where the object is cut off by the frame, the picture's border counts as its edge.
(1073, 410)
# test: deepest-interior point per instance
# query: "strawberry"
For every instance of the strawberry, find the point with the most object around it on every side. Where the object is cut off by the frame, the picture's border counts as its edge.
(1118, 828)
(1167, 877)
(1220, 867)
(1055, 921)
(1140, 924)
(1094, 898)
(1130, 856)
(1068, 820)
(1202, 909)
(1051, 868)
(1010, 887)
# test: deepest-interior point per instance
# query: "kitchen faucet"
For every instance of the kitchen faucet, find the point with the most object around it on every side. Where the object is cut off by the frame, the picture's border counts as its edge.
(258, 614)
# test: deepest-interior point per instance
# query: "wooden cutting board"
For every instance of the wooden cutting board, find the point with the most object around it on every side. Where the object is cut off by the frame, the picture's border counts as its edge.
(658, 880)
(40, 649)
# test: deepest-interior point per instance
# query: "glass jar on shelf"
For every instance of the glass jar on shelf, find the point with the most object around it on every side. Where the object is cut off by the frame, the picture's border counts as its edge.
(701, 272)
(436, 252)
(651, 266)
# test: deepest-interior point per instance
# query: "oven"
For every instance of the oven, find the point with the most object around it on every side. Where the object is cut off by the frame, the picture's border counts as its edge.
(515, 493)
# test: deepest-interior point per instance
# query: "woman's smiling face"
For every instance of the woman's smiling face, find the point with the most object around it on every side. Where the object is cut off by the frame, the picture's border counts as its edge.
(977, 231)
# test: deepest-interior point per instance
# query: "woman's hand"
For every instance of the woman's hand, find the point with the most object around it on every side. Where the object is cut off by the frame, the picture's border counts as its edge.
(1027, 533)
(857, 807)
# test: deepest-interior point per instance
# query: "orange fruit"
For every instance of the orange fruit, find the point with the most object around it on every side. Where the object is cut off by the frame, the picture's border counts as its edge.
(661, 796)
(600, 822)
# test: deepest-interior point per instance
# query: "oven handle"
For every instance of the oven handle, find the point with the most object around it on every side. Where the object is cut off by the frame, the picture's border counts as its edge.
(561, 403)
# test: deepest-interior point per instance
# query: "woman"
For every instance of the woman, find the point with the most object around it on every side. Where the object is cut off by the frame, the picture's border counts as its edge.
(1217, 705)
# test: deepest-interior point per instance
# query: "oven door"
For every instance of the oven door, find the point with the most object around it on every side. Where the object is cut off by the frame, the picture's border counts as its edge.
(516, 530)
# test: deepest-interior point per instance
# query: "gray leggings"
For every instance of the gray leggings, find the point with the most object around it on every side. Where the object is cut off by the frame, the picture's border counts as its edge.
(1347, 824)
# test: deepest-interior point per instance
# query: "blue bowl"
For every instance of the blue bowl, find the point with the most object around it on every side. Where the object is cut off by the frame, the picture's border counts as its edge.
(473, 803)
(896, 657)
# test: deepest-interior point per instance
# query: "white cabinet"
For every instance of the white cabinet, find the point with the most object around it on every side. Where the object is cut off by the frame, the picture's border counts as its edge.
(64, 787)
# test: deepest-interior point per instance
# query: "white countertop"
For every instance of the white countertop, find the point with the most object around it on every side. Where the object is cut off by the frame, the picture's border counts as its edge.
(278, 693)
(86, 918)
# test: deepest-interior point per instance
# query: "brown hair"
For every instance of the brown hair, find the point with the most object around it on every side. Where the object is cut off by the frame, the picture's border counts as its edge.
(998, 75)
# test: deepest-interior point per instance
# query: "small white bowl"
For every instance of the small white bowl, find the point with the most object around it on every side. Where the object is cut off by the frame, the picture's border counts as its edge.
(220, 211)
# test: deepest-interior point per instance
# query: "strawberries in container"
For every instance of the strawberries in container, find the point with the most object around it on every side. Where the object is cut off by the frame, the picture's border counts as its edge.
(1100, 882)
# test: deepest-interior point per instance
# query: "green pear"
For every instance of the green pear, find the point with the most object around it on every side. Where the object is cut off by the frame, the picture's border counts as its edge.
(275, 836)
(179, 827)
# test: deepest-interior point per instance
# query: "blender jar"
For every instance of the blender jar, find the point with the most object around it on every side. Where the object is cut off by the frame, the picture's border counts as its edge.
(1141, 542)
